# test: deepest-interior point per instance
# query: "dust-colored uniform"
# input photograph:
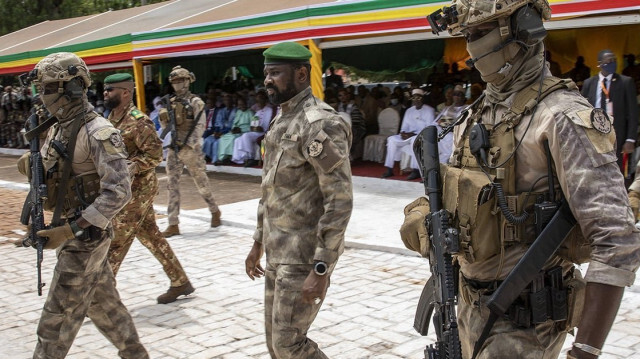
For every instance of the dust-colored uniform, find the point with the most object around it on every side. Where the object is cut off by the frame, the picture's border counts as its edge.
(83, 283)
(303, 214)
(584, 163)
(137, 218)
(189, 155)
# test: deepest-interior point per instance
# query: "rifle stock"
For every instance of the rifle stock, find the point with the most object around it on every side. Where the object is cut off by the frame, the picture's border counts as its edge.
(33, 210)
(443, 243)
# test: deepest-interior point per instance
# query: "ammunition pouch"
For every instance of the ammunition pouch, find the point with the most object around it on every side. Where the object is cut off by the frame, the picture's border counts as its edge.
(184, 116)
(81, 190)
(548, 297)
(163, 117)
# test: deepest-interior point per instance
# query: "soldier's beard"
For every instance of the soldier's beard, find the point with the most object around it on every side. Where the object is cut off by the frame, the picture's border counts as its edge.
(278, 97)
(113, 102)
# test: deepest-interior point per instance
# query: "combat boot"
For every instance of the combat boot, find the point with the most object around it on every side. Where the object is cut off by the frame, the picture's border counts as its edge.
(172, 230)
(215, 219)
(174, 292)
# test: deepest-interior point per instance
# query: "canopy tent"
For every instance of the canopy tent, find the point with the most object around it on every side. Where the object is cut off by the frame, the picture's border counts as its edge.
(179, 30)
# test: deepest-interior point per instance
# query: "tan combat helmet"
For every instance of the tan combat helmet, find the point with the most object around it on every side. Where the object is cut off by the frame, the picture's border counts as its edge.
(60, 67)
(462, 14)
(178, 72)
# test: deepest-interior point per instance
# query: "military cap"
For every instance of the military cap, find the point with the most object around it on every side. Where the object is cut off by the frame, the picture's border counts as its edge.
(286, 52)
(121, 77)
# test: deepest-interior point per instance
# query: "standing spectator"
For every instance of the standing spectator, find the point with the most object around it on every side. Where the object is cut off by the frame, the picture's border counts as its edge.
(137, 218)
(579, 72)
(222, 124)
(245, 146)
(241, 124)
(616, 95)
(554, 67)
(185, 149)
(358, 128)
(305, 206)
(415, 119)
(333, 80)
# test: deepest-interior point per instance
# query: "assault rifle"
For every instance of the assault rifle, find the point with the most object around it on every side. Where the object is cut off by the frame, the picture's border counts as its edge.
(171, 126)
(33, 209)
(440, 292)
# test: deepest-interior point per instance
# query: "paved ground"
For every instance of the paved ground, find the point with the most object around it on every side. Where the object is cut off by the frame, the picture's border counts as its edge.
(368, 312)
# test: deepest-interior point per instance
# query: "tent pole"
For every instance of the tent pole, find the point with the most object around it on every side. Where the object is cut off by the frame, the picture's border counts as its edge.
(316, 68)
(138, 75)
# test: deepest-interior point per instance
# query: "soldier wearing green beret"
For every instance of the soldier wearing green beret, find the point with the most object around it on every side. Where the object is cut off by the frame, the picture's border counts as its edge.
(137, 218)
(305, 206)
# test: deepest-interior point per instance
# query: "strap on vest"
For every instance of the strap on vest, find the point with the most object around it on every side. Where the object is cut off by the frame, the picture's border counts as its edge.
(29, 135)
(527, 99)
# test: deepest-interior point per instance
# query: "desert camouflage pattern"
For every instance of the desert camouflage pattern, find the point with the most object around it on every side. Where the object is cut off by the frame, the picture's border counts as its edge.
(191, 156)
(178, 72)
(55, 68)
(306, 183)
(474, 12)
(287, 319)
(137, 218)
(83, 284)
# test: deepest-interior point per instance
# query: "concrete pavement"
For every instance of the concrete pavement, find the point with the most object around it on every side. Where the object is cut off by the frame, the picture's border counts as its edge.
(368, 312)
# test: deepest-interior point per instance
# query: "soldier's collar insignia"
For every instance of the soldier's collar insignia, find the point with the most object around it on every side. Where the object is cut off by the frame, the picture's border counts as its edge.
(315, 148)
(600, 120)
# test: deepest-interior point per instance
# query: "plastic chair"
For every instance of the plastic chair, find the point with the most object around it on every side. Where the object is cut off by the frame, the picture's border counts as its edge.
(375, 146)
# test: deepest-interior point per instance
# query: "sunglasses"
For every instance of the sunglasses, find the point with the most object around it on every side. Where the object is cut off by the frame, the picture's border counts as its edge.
(111, 88)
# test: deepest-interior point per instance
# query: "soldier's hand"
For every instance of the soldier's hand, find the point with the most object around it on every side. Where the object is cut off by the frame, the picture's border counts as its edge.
(413, 231)
(314, 286)
(57, 236)
(634, 202)
(252, 263)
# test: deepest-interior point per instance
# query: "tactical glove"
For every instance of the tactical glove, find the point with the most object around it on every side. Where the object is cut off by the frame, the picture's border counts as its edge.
(413, 231)
(634, 202)
(24, 165)
(57, 236)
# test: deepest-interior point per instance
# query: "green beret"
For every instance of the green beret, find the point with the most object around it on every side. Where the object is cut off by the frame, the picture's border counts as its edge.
(121, 77)
(286, 52)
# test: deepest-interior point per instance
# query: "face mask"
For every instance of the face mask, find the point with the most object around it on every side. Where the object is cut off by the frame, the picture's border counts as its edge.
(609, 68)
(494, 66)
(394, 101)
(181, 88)
(55, 103)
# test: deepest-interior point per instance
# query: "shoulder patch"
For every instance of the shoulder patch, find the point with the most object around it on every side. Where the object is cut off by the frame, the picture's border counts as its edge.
(104, 133)
(600, 120)
(137, 114)
(596, 127)
(318, 110)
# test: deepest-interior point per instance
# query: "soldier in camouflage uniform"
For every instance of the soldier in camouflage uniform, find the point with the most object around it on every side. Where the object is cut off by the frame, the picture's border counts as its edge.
(186, 147)
(137, 218)
(539, 129)
(14, 119)
(305, 206)
(98, 188)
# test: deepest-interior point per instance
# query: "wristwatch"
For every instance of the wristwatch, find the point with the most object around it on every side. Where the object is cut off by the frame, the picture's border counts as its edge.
(320, 268)
(77, 231)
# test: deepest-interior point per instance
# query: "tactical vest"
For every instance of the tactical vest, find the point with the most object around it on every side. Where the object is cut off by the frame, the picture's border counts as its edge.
(81, 190)
(184, 117)
(468, 193)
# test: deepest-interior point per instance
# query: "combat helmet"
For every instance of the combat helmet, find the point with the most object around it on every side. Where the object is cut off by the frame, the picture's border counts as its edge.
(178, 72)
(60, 67)
(462, 14)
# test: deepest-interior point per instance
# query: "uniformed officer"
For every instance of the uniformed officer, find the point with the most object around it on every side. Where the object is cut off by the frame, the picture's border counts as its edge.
(305, 206)
(137, 218)
(186, 147)
(494, 179)
(89, 149)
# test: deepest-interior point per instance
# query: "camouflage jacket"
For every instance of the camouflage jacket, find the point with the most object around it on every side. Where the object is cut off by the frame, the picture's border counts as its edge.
(143, 146)
(306, 183)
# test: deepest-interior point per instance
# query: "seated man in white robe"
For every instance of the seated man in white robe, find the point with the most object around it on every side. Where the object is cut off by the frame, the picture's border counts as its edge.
(245, 147)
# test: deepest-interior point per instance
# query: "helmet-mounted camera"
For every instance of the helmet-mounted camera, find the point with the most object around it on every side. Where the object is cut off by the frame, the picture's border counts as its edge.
(440, 19)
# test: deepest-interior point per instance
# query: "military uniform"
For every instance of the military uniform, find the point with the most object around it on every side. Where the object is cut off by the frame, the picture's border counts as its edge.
(306, 166)
(99, 186)
(188, 110)
(137, 218)
(524, 114)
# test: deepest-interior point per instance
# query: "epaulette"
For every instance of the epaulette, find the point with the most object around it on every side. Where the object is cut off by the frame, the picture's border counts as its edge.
(137, 114)
(318, 110)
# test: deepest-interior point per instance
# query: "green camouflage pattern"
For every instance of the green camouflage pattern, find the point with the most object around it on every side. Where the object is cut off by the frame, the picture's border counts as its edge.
(137, 218)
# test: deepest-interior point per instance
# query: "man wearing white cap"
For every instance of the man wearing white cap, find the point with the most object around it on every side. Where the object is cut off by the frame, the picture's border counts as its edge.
(415, 119)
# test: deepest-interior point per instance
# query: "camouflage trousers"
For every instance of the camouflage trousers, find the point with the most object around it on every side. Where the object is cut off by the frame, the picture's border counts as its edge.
(540, 341)
(137, 219)
(287, 318)
(193, 159)
(83, 285)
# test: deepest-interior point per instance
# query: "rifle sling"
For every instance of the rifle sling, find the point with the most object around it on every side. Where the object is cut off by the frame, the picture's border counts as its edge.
(66, 171)
(29, 135)
(527, 268)
(193, 126)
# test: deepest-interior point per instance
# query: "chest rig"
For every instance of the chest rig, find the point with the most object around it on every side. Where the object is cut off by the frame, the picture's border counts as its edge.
(67, 193)
(489, 213)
